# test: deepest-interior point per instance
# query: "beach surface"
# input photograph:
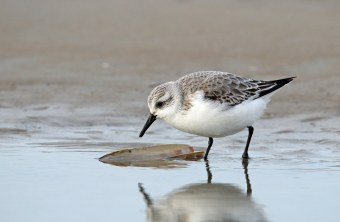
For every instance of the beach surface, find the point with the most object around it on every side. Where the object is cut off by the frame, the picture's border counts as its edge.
(75, 76)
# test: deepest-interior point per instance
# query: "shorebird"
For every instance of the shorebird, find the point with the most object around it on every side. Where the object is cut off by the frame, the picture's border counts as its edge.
(212, 104)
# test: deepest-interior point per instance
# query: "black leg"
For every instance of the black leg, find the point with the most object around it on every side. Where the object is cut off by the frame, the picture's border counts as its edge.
(208, 149)
(250, 134)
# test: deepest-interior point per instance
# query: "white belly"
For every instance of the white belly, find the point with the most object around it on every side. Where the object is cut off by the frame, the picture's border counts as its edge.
(213, 120)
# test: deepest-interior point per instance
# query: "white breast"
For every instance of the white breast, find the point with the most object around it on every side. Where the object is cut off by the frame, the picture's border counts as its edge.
(213, 119)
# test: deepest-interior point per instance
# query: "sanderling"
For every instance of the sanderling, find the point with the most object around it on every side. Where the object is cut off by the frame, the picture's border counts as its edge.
(212, 104)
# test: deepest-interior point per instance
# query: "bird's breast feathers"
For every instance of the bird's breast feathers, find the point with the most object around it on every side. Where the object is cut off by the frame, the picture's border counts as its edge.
(213, 119)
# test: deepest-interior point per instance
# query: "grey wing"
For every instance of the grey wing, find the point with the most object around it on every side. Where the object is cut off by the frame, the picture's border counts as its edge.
(227, 88)
(191, 83)
(230, 89)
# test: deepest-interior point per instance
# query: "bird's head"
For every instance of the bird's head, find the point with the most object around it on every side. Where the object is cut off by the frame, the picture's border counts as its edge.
(164, 103)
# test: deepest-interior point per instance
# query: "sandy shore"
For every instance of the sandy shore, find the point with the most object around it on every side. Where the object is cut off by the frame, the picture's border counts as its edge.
(113, 53)
(74, 80)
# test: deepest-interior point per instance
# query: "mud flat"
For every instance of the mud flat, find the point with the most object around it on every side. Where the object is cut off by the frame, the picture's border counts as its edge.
(74, 81)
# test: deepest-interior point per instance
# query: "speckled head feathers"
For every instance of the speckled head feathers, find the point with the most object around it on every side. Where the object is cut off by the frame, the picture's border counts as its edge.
(164, 100)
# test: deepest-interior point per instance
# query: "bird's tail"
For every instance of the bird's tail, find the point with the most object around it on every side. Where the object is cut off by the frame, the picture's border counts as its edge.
(267, 87)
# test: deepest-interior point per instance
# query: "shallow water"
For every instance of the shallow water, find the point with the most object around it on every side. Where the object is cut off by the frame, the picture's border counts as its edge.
(74, 80)
(54, 174)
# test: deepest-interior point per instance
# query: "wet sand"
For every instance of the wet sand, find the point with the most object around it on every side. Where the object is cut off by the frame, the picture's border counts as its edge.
(74, 81)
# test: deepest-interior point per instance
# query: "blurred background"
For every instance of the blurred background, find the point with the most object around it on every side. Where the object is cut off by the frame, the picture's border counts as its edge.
(75, 76)
(90, 52)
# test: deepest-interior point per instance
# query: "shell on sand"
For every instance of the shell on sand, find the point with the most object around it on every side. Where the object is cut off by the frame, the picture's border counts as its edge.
(153, 156)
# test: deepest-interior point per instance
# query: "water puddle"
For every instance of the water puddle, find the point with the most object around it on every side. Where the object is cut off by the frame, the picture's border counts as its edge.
(58, 172)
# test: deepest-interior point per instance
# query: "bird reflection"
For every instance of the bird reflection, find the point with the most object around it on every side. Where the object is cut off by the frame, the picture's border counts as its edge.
(205, 202)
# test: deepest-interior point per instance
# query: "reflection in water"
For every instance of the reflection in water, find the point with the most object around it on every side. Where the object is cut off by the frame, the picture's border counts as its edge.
(245, 163)
(205, 202)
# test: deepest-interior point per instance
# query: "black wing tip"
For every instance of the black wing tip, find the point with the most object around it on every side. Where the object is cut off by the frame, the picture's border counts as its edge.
(283, 81)
(277, 84)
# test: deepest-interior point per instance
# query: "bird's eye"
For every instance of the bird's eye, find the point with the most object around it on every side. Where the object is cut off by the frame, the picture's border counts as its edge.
(159, 104)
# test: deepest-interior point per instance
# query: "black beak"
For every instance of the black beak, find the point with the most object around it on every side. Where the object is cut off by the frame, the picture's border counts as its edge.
(148, 123)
